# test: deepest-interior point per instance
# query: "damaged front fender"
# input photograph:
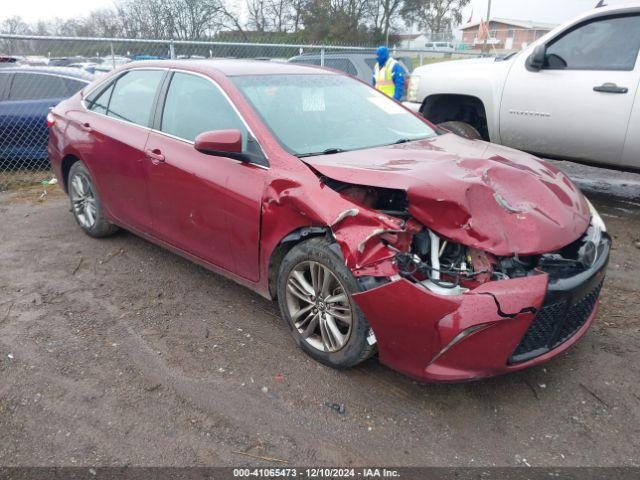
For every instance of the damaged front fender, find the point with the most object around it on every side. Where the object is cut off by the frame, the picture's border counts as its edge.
(296, 202)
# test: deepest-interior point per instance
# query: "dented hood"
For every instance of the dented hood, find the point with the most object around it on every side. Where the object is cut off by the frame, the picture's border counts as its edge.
(479, 194)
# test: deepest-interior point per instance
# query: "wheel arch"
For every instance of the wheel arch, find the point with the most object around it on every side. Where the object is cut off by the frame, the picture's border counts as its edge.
(65, 167)
(445, 107)
(283, 247)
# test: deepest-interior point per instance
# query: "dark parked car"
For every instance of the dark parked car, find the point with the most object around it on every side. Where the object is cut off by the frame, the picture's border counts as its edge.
(359, 65)
(454, 258)
(26, 95)
(65, 61)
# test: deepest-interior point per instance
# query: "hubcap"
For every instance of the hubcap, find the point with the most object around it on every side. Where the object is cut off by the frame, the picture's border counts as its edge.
(319, 306)
(83, 200)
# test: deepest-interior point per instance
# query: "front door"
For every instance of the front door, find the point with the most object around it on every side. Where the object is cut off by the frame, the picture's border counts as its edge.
(206, 205)
(578, 105)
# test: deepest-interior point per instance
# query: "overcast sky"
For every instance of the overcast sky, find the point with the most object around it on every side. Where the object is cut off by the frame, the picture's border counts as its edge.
(547, 11)
(553, 11)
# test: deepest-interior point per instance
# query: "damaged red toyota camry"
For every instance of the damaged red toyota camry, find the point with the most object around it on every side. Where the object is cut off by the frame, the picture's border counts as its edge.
(453, 259)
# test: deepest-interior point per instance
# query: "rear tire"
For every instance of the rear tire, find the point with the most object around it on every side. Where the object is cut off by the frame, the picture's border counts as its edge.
(85, 203)
(462, 129)
(315, 291)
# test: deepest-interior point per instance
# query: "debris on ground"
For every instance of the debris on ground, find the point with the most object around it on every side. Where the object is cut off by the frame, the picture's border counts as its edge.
(338, 407)
(260, 457)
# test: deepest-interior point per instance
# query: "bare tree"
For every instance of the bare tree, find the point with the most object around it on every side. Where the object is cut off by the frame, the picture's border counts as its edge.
(15, 26)
(257, 15)
(434, 16)
(384, 14)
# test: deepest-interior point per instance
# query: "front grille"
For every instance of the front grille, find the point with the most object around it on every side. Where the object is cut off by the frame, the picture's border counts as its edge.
(559, 318)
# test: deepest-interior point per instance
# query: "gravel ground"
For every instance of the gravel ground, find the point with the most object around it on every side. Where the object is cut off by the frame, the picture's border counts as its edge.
(117, 352)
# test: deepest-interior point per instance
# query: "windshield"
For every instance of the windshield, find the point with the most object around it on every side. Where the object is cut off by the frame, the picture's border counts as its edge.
(316, 114)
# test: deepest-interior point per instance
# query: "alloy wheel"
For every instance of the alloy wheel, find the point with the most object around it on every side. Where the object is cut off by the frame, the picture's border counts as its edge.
(83, 200)
(319, 306)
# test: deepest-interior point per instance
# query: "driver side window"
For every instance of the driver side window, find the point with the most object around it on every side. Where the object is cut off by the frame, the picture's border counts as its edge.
(602, 44)
(194, 105)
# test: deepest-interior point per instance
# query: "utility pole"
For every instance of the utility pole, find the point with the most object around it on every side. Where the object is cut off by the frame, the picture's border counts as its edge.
(486, 38)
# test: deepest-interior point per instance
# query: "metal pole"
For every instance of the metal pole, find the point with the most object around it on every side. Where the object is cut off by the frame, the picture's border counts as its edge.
(484, 47)
(113, 57)
(322, 57)
(172, 51)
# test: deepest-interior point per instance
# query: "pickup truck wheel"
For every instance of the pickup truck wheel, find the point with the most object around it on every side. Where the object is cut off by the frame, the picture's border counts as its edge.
(315, 291)
(462, 129)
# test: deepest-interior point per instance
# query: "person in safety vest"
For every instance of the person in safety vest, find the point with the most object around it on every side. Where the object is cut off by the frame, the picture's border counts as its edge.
(388, 74)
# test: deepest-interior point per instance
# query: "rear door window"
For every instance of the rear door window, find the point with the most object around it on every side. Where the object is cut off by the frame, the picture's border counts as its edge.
(133, 96)
(37, 86)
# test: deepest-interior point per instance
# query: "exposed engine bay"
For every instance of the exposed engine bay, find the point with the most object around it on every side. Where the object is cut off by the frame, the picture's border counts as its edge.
(448, 268)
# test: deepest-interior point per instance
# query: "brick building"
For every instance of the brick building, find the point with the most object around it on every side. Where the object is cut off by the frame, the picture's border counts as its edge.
(505, 34)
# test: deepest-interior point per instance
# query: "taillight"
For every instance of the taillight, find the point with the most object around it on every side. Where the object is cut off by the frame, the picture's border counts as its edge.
(50, 120)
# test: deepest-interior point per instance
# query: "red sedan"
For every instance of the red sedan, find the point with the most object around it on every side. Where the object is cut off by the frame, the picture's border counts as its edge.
(453, 259)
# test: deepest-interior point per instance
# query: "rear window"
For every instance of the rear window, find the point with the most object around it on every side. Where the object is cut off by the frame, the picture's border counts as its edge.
(343, 64)
(4, 84)
(306, 61)
(37, 86)
(73, 86)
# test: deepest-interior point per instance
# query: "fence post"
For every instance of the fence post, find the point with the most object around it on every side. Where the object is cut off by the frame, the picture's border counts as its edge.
(322, 57)
(113, 56)
(172, 50)
(421, 59)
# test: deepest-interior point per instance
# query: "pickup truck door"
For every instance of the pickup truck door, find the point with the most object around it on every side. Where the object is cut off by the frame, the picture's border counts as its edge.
(578, 105)
(631, 153)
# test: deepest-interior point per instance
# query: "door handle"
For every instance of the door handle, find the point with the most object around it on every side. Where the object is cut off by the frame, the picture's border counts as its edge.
(610, 88)
(155, 156)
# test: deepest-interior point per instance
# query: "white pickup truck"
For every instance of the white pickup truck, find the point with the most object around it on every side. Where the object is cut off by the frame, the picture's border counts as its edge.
(572, 94)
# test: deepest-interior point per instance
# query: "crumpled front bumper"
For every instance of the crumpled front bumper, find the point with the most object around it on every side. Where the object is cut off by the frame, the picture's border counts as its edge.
(475, 335)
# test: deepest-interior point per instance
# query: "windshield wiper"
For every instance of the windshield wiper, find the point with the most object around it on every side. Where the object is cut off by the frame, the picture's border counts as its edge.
(328, 151)
(403, 140)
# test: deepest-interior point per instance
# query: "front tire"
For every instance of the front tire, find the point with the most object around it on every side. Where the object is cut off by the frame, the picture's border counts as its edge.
(462, 129)
(315, 291)
(85, 203)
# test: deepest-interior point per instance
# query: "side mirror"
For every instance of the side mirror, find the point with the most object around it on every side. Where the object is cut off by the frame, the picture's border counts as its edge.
(537, 59)
(224, 143)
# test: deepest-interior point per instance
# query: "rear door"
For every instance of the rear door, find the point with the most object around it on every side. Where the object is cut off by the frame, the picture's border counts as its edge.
(111, 135)
(206, 205)
(578, 105)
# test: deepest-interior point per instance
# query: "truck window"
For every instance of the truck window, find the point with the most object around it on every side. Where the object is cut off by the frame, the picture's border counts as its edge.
(601, 44)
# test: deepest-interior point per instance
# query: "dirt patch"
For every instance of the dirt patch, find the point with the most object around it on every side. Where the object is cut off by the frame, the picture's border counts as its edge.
(117, 352)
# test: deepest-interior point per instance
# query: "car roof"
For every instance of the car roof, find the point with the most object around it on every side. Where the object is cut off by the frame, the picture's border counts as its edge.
(231, 67)
(61, 71)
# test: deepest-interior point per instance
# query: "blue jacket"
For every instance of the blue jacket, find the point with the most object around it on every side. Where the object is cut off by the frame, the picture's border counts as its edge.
(398, 74)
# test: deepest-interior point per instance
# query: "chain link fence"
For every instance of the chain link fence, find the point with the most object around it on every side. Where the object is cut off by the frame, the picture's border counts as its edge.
(38, 72)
